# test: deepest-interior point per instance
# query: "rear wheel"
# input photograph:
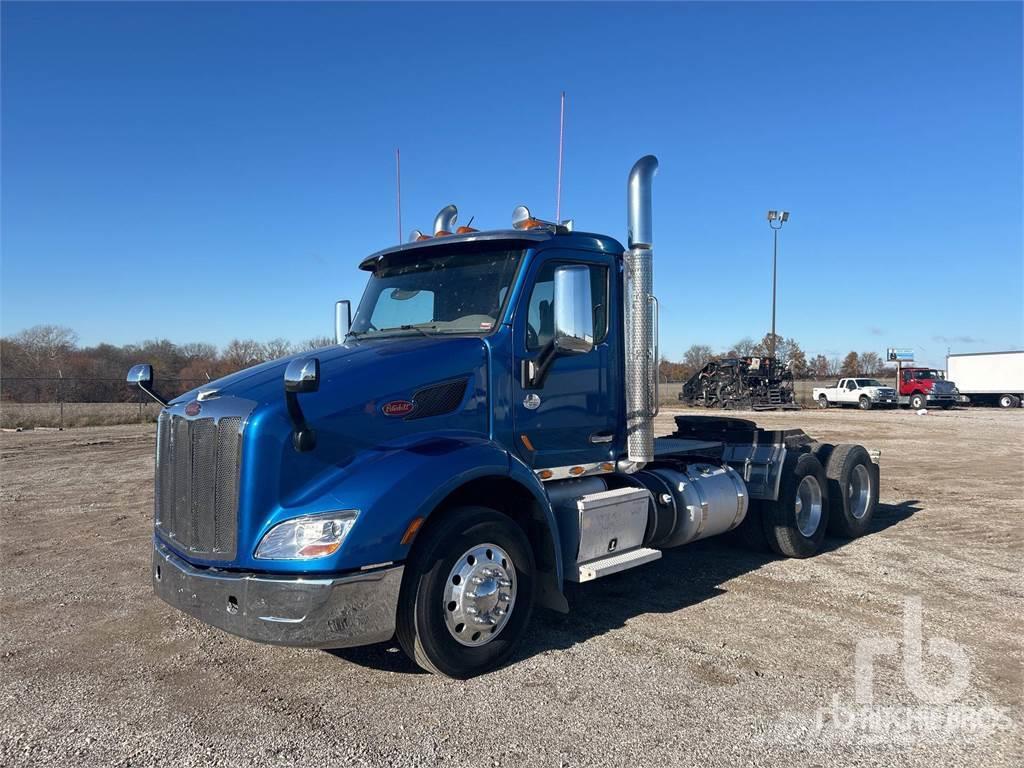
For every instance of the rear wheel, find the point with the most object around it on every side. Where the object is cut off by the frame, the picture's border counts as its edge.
(918, 401)
(864, 403)
(1008, 401)
(795, 524)
(852, 490)
(467, 594)
(822, 401)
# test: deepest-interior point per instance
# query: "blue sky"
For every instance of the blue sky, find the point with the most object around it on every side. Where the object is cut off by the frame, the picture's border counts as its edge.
(204, 172)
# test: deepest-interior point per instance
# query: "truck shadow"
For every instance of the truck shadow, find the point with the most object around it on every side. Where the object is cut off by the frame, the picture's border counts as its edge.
(682, 578)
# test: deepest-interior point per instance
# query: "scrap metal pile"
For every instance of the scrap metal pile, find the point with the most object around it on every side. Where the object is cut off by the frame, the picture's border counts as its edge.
(757, 383)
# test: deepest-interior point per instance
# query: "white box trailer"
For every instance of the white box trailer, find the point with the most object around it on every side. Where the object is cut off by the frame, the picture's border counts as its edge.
(989, 378)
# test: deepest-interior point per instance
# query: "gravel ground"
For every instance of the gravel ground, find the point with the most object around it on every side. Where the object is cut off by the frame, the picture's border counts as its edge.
(712, 655)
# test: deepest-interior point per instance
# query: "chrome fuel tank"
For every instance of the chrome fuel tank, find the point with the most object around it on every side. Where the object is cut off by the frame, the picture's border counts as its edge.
(695, 502)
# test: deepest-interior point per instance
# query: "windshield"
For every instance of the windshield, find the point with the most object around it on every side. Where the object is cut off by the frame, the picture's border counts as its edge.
(927, 374)
(869, 383)
(436, 291)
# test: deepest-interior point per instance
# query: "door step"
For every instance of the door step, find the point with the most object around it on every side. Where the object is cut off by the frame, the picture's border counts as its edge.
(605, 566)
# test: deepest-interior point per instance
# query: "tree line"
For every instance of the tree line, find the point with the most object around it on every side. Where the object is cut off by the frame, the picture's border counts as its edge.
(789, 353)
(46, 363)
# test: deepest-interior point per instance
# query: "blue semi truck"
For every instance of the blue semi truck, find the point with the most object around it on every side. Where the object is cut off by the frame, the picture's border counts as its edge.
(480, 434)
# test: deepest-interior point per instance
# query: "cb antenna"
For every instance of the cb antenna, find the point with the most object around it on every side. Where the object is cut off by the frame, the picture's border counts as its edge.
(398, 191)
(561, 143)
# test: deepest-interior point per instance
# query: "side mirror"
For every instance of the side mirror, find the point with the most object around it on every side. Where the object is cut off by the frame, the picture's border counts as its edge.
(141, 375)
(342, 320)
(302, 375)
(574, 313)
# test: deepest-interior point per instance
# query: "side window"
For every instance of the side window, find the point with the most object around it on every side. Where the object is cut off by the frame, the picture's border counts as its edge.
(851, 384)
(540, 316)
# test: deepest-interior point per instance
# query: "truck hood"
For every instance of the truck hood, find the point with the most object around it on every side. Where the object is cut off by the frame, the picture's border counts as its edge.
(357, 367)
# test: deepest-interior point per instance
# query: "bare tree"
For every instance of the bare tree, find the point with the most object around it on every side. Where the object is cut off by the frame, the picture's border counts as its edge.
(241, 353)
(744, 347)
(835, 365)
(198, 350)
(317, 342)
(870, 363)
(277, 348)
(819, 367)
(697, 356)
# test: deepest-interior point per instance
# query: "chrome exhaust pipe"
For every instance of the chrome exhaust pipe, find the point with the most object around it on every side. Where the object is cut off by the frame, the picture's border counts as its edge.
(640, 317)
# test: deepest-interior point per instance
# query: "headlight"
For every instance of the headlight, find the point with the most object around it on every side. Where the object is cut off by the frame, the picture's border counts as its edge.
(305, 538)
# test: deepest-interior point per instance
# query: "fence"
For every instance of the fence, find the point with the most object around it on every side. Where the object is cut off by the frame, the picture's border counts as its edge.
(27, 402)
(52, 401)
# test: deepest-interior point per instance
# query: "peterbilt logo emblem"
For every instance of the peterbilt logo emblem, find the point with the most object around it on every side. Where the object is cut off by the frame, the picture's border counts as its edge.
(193, 408)
(397, 408)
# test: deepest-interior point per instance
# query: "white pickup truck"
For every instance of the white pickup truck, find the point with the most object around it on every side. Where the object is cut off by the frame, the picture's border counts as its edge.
(866, 393)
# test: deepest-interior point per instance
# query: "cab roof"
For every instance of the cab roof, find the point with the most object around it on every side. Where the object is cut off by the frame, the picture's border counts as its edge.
(528, 238)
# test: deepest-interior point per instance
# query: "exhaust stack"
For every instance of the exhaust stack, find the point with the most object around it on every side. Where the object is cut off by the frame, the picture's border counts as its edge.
(640, 317)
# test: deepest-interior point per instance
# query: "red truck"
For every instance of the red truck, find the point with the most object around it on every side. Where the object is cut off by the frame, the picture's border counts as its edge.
(926, 387)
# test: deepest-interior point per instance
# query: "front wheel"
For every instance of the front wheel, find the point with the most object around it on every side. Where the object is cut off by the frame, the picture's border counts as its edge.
(864, 403)
(467, 594)
(822, 401)
(918, 401)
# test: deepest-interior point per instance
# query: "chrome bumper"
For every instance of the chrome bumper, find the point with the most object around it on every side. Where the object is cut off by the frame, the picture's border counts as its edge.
(318, 612)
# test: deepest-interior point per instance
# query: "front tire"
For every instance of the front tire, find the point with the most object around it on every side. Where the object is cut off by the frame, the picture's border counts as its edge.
(864, 403)
(918, 401)
(795, 524)
(467, 594)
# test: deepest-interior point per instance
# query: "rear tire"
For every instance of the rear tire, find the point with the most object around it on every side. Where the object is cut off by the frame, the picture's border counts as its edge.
(444, 626)
(795, 524)
(1008, 401)
(864, 403)
(918, 401)
(822, 401)
(852, 490)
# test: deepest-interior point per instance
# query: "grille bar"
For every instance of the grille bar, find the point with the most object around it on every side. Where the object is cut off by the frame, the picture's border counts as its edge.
(196, 483)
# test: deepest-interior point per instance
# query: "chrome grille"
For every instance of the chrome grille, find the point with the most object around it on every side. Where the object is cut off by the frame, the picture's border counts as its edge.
(197, 465)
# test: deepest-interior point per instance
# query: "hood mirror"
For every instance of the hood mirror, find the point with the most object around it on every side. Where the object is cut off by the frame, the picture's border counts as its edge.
(301, 376)
(142, 376)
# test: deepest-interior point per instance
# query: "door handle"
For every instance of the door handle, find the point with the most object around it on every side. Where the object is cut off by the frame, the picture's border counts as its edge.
(602, 437)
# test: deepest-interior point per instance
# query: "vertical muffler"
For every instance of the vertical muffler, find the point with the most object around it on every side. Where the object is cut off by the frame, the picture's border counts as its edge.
(640, 317)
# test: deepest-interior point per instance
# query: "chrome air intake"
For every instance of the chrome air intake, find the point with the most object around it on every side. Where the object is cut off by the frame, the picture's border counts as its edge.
(641, 342)
(444, 222)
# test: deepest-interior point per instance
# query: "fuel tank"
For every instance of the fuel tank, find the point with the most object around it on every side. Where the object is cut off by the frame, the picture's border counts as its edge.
(693, 502)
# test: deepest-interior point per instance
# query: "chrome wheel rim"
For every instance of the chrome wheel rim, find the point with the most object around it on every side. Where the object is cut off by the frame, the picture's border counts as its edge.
(479, 595)
(822, 402)
(808, 506)
(859, 491)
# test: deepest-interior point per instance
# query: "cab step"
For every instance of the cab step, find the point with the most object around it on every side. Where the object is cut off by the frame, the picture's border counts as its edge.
(605, 566)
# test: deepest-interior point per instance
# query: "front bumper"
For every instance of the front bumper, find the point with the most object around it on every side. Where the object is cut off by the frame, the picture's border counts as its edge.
(943, 398)
(317, 612)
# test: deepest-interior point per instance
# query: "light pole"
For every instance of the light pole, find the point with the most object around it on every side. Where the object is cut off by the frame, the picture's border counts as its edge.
(775, 220)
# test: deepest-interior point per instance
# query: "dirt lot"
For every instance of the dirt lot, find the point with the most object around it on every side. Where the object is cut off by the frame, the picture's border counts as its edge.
(712, 656)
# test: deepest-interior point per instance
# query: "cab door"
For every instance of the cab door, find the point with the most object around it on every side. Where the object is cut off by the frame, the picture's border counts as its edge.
(571, 417)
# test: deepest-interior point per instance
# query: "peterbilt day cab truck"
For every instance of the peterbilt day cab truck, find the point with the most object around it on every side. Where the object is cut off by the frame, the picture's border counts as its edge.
(989, 378)
(481, 434)
(863, 392)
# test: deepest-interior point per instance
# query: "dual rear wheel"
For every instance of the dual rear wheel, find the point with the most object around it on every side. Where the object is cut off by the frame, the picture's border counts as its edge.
(829, 490)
